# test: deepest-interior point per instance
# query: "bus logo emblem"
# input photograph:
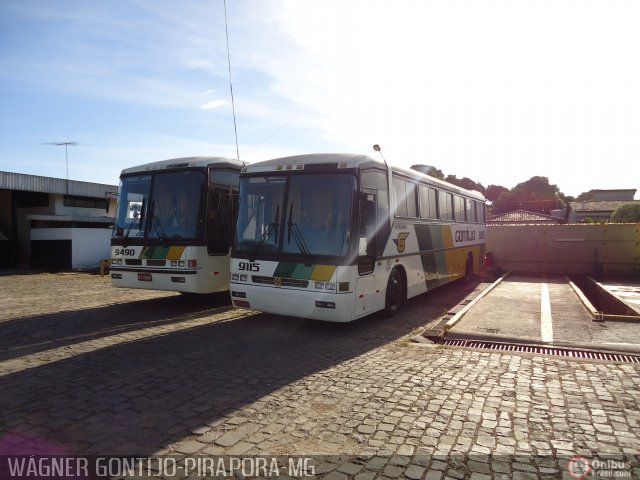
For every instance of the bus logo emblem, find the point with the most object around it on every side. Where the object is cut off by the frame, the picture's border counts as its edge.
(277, 281)
(400, 241)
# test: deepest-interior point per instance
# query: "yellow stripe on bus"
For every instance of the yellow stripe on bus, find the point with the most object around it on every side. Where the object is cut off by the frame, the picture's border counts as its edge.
(175, 253)
(447, 238)
(322, 273)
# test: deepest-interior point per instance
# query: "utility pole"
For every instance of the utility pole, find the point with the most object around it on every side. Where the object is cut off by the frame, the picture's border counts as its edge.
(66, 155)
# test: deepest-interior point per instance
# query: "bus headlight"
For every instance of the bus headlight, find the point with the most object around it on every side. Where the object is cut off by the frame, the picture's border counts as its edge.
(174, 263)
(181, 263)
(243, 278)
(330, 286)
(235, 276)
(320, 285)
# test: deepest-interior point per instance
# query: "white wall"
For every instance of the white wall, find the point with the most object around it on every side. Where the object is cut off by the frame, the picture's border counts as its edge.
(88, 245)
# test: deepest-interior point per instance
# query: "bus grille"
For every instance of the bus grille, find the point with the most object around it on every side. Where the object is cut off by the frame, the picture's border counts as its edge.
(156, 263)
(284, 282)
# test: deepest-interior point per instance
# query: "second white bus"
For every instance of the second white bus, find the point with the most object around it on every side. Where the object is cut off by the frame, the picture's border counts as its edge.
(337, 237)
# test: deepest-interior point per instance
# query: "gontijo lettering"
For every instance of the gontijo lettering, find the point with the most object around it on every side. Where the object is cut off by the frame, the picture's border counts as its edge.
(465, 235)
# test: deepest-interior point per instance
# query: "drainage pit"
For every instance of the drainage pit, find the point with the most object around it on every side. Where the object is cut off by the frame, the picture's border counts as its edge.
(540, 350)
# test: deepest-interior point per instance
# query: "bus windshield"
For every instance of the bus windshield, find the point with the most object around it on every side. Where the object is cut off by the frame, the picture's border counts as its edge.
(164, 205)
(315, 220)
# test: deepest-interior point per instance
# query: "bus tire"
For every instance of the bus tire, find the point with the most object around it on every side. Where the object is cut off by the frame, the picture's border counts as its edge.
(395, 293)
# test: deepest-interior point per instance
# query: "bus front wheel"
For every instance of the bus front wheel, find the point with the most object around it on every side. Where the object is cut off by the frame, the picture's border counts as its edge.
(395, 293)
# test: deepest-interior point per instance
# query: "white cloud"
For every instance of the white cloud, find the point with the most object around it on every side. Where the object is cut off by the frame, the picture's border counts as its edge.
(212, 105)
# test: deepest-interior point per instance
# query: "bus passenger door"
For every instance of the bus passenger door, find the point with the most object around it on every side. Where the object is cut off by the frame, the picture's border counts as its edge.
(219, 221)
(365, 281)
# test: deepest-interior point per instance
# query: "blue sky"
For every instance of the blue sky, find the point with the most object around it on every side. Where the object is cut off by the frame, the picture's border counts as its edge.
(495, 90)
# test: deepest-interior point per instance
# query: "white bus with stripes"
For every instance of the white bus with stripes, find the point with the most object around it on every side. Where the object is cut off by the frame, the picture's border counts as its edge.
(336, 237)
(174, 225)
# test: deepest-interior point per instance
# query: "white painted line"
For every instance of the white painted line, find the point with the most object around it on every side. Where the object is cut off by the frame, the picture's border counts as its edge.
(546, 325)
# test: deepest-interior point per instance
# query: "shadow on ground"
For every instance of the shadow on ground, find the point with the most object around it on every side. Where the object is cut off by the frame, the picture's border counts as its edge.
(136, 398)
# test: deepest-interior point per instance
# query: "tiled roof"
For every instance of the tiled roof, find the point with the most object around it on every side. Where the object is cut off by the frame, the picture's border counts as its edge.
(522, 216)
(602, 206)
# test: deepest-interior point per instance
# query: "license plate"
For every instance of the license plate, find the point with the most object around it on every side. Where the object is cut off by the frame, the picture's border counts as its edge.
(144, 277)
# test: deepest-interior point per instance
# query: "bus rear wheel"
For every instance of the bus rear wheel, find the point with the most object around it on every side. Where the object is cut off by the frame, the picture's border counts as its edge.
(395, 293)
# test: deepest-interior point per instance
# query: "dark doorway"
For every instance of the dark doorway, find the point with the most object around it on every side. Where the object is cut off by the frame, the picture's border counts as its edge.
(51, 254)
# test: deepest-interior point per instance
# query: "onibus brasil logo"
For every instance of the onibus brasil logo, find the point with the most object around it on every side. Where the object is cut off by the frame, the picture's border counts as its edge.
(578, 467)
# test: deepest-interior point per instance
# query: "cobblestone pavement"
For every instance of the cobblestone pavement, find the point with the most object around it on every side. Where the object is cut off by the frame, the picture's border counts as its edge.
(87, 369)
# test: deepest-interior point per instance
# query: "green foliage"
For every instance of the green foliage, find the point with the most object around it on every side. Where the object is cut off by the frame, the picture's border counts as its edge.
(585, 196)
(534, 195)
(435, 173)
(465, 182)
(627, 213)
(429, 170)
(493, 192)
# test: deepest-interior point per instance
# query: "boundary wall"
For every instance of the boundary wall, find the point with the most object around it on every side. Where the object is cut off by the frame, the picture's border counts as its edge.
(596, 249)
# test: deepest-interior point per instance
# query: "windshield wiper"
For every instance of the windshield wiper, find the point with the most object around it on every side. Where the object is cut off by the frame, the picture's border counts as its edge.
(156, 223)
(272, 228)
(297, 234)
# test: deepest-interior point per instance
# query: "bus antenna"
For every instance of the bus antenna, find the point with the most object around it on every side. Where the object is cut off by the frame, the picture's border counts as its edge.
(233, 107)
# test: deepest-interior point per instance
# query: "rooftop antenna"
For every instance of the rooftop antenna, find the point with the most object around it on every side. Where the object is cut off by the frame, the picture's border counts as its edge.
(66, 155)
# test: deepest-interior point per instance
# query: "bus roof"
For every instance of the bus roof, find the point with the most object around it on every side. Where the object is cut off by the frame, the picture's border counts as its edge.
(185, 162)
(350, 160)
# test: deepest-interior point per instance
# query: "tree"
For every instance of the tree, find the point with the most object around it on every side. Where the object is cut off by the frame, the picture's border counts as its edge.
(585, 196)
(429, 170)
(539, 188)
(534, 195)
(465, 182)
(493, 192)
(627, 213)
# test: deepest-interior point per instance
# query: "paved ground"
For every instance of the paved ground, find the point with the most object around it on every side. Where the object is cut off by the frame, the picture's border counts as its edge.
(543, 309)
(92, 370)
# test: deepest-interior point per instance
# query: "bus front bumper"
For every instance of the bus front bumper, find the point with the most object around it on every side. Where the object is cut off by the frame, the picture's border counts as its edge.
(328, 307)
(186, 281)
